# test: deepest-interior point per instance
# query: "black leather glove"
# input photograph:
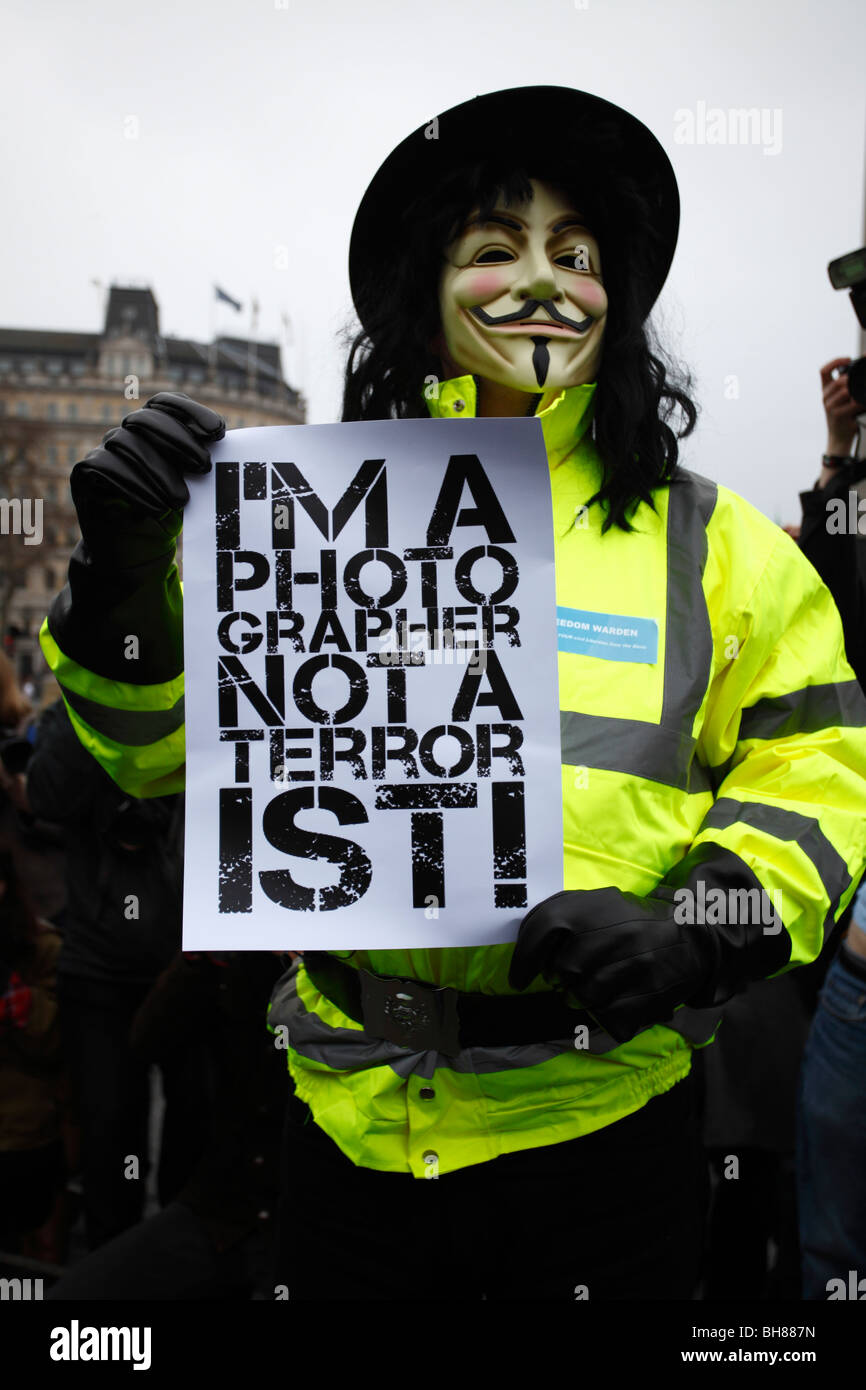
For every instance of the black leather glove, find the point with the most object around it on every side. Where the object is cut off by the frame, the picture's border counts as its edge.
(130, 492)
(631, 961)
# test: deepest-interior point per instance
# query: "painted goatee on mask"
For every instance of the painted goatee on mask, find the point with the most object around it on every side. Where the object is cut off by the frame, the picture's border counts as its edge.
(521, 297)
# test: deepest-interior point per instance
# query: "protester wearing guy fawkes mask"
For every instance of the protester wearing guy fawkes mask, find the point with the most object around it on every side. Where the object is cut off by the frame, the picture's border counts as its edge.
(503, 262)
(549, 342)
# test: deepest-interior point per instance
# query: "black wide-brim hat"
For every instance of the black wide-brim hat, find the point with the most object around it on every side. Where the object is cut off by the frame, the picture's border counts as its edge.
(520, 127)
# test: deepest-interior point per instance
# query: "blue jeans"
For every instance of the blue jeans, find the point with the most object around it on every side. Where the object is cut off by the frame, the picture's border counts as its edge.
(831, 1135)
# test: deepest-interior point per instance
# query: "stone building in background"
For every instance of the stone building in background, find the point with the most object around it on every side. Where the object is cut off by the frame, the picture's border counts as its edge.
(60, 393)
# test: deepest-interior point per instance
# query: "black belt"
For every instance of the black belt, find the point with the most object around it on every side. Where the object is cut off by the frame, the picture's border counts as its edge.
(425, 1018)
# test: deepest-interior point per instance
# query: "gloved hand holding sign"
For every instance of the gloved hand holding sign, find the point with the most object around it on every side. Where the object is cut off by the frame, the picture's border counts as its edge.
(632, 960)
(121, 612)
(130, 491)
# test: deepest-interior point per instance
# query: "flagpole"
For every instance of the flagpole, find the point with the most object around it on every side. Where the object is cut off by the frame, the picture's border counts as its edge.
(220, 297)
(286, 330)
(212, 322)
(300, 356)
(250, 348)
(251, 351)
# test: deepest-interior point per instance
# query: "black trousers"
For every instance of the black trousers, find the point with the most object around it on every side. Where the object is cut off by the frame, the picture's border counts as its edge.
(111, 1094)
(168, 1257)
(744, 1215)
(618, 1214)
(29, 1182)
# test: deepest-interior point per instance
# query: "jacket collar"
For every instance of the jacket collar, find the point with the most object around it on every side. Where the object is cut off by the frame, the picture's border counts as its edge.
(564, 422)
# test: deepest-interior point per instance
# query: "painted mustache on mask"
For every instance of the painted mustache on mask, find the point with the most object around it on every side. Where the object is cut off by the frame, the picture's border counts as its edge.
(529, 308)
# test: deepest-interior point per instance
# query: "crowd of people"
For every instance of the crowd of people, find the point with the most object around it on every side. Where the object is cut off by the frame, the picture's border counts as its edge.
(95, 998)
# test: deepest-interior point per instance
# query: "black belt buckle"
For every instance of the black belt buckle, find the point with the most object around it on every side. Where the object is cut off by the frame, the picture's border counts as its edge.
(413, 1015)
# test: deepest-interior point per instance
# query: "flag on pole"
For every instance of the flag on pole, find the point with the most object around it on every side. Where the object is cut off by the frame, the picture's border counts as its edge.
(252, 361)
(226, 298)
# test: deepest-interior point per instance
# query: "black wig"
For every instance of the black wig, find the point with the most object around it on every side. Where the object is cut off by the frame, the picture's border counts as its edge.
(639, 389)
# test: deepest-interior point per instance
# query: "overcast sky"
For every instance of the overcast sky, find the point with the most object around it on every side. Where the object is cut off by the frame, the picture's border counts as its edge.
(178, 144)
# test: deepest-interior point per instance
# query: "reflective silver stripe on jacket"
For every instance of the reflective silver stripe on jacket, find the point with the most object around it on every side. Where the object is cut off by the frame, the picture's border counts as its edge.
(807, 711)
(788, 825)
(634, 747)
(688, 631)
(664, 752)
(134, 728)
(351, 1049)
(834, 705)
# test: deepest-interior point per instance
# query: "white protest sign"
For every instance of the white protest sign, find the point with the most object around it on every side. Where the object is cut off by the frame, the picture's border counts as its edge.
(372, 709)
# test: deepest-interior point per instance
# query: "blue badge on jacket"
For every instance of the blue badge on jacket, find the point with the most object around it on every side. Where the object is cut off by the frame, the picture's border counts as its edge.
(612, 636)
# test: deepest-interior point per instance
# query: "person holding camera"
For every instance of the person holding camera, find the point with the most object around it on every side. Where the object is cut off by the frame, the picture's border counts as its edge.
(826, 536)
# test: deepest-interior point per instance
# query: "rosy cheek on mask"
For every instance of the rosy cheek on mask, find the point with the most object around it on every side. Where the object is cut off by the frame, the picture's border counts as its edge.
(592, 298)
(480, 287)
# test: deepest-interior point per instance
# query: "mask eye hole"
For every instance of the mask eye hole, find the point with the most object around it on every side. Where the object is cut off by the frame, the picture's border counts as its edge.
(494, 256)
(576, 259)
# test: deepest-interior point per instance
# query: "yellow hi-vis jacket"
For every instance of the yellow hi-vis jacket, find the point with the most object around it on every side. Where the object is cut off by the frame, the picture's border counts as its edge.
(749, 731)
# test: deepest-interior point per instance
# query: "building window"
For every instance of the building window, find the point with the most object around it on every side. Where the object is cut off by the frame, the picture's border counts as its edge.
(52, 453)
(72, 453)
(22, 408)
(108, 412)
(55, 367)
(78, 368)
(49, 578)
(72, 411)
(51, 410)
